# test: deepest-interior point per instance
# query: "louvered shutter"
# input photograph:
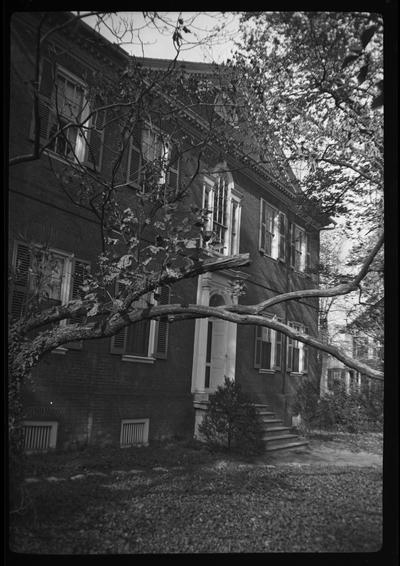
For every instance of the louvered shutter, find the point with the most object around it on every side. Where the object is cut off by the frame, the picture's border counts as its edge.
(290, 348)
(45, 102)
(292, 247)
(308, 250)
(79, 271)
(22, 263)
(134, 163)
(282, 236)
(305, 353)
(96, 136)
(162, 328)
(263, 227)
(118, 341)
(173, 171)
(258, 347)
(278, 349)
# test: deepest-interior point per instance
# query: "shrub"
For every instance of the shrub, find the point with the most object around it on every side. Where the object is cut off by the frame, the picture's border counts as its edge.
(231, 421)
(343, 411)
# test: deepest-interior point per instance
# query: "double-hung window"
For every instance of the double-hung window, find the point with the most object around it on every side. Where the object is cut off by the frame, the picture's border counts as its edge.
(145, 340)
(52, 275)
(153, 159)
(268, 349)
(297, 352)
(300, 252)
(64, 109)
(223, 206)
(273, 227)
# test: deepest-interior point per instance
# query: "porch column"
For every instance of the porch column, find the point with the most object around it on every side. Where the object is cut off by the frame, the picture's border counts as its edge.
(200, 338)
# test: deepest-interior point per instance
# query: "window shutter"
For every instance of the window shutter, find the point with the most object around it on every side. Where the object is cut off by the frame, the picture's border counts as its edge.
(282, 236)
(292, 248)
(162, 328)
(263, 227)
(266, 355)
(173, 172)
(134, 163)
(257, 349)
(308, 250)
(22, 263)
(118, 341)
(46, 79)
(278, 349)
(289, 354)
(45, 92)
(79, 271)
(95, 137)
(305, 353)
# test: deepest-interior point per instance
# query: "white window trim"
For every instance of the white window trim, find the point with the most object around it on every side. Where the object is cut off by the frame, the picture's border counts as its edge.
(232, 196)
(303, 258)
(86, 111)
(149, 359)
(274, 367)
(301, 346)
(276, 235)
(164, 139)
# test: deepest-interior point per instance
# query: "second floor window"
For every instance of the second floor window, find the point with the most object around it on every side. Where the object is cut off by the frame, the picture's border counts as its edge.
(69, 106)
(64, 109)
(150, 147)
(273, 228)
(300, 253)
(222, 229)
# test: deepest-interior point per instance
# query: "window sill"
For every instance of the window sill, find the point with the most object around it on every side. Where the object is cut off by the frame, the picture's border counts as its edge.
(67, 161)
(274, 259)
(268, 371)
(139, 359)
(297, 373)
(60, 350)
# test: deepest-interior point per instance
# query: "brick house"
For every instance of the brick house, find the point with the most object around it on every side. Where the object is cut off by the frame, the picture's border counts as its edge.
(151, 380)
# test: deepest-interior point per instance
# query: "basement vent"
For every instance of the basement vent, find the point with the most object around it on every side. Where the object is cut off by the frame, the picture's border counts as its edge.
(134, 432)
(40, 435)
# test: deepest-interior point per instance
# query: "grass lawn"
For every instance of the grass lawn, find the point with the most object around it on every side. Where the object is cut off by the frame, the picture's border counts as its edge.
(177, 499)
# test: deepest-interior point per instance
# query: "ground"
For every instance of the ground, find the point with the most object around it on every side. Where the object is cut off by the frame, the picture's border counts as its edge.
(176, 498)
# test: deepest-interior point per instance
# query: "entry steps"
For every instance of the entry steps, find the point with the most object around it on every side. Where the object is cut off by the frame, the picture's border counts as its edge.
(277, 436)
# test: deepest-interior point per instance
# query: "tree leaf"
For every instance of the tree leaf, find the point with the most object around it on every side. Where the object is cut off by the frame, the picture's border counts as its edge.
(362, 75)
(377, 101)
(367, 35)
(349, 59)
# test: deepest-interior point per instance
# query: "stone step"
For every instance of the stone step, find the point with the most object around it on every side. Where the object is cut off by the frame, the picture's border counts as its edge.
(277, 431)
(285, 445)
(260, 407)
(266, 414)
(271, 423)
(281, 437)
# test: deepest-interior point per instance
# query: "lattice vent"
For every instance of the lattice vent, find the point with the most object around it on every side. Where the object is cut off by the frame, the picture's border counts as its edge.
(40, 435)
(134, 432)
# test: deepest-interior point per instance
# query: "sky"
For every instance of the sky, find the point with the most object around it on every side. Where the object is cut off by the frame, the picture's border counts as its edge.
(211, 36)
